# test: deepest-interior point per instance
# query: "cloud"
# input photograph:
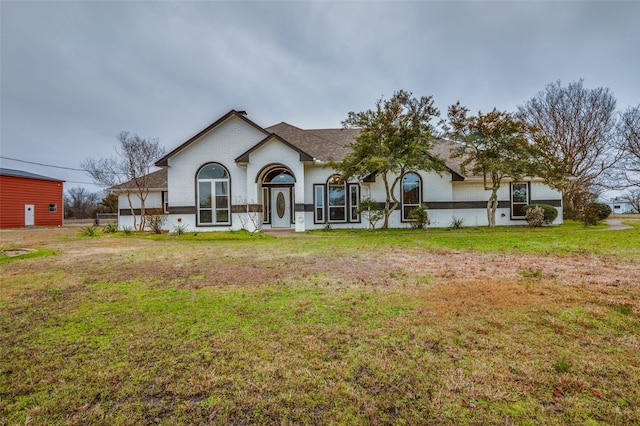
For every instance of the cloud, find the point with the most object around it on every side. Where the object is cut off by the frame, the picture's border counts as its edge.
(75, 74)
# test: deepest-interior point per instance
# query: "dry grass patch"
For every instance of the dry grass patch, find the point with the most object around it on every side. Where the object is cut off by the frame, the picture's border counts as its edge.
(364, 330)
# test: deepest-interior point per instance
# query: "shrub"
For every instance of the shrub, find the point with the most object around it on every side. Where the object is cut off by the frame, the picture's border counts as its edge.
(90, 231)
(550, 212)
(127, 230)
(593, 213)
(155, 220)
(456, 223)
(419, 217)
(604, 211)
(180, 229)
(110, 228)
(535, 217)
(371, 210)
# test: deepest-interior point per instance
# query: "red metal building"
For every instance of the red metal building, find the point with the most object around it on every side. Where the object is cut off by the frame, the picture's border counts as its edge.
(28, 199)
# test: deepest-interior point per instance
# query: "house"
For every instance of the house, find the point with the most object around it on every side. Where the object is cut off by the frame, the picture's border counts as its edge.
(235, 174)
(619, 206)
(28, 199)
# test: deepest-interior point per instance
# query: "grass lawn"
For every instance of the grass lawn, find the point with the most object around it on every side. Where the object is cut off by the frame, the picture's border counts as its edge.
(470, 326)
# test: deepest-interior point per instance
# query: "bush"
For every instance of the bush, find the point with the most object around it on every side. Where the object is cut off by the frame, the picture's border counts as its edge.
(155, 220)
(180, 230)
(110, 228)
(535, 216)
(604, 211)
(593, 213)
(550, 212)
(456, 223)
(90, 231)
(419, 217)
(371, 210)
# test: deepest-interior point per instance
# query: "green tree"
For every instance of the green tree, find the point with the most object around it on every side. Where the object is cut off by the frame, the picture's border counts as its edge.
(492, 145)
(109, 203)
(395, 138)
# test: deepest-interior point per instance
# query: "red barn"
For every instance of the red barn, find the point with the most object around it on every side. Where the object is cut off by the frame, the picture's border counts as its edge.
(28, 199)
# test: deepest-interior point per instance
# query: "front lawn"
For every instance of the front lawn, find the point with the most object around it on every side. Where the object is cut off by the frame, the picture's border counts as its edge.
(503, 326)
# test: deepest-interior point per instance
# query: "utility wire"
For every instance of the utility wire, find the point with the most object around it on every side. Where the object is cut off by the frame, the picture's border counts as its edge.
(42, 164)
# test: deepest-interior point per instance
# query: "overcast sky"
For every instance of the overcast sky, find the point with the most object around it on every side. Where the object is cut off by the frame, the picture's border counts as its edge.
(74, 74)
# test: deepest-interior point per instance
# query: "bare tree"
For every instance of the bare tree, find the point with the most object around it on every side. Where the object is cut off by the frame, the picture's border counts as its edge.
(574, 129)
(128, 171)
(632, 196)
(629, 130)
(80, 203)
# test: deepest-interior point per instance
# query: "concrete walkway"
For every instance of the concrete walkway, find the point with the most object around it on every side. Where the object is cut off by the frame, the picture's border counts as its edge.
(616, 225)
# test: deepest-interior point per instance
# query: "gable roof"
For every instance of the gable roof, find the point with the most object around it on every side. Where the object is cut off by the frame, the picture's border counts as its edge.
(313, 144)
(244, 157)
(321, 144)
(164, 161)
(22, 173)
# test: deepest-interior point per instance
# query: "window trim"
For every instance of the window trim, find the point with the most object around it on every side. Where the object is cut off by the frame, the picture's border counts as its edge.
(353, 216)
(319, 207)
(266, 205)
(165, 202)
(214, 207)
(527, 185)
(343, 206)
(404, 219)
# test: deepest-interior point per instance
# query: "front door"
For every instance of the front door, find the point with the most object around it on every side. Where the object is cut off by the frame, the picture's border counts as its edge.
(280, 207)
(29, 215)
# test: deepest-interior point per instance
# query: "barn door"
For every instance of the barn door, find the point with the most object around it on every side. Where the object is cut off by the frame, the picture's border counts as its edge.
(29, 215)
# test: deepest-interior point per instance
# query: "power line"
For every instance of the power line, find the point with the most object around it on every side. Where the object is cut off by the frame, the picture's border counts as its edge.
(42, 164)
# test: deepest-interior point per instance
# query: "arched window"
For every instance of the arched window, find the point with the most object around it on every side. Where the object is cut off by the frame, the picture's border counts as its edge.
(337, 199)
(279, 175)
(411, 194)
(214, 200)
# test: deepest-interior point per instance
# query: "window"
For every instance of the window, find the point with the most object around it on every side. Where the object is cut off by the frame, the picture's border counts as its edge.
(519, 199)
(266, 207)
(354, 202)
(53, 208)
(214, 206)
(165, 202)
(337, 199)
(411, 194)
(318, 203)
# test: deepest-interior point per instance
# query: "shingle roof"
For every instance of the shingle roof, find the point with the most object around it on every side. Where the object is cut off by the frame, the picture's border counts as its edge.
(155, 180)
(321, 144)
(22, 173)
(312, 144)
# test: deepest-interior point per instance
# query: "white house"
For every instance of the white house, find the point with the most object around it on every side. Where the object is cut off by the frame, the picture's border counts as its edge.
(235, 174)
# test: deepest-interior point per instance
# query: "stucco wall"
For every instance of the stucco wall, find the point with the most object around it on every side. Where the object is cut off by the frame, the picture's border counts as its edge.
(221, 145)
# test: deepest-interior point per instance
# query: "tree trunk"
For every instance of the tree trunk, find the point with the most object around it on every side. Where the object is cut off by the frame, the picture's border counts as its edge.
(492, 205)
(133, 212)
(387, 203)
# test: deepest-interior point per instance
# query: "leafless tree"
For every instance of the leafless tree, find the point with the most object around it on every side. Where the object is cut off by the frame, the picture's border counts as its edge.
(574, 130)
(80, 203)
(629, 130)
(128, 171)
(632, 196)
